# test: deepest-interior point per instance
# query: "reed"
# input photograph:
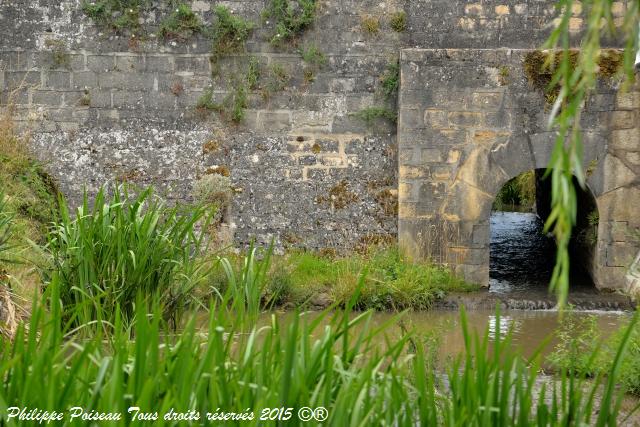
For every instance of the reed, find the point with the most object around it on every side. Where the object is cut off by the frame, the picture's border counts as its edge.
(127, 245)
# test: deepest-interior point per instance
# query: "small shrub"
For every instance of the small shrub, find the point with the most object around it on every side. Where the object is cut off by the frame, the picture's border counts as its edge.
(182, 24)
(312, 55)
(370, 24)
(398, 22)
(579, 339)
(291, 17)
(390, 80)
(118, 15)
(253, 73)
(229, 33)
(371, 114)
(213, 189)
(277, 80)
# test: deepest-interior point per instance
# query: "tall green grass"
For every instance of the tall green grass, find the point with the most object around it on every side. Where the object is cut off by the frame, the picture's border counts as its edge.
(6, 227)
(124, 246)
(339, 360)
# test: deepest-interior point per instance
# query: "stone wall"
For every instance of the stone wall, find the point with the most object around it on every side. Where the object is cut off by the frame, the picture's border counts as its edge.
(104, 107)
(470, 121)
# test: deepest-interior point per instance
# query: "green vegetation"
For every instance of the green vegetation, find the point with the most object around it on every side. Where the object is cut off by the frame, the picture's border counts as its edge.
(29, 201)
(390, 80)
(181, 25)
(372, 114)
(310, 279)
(129, 245)
(291, 18)
(363, 373)
(518, 194)
(311, 54)
(253, 73)
(398, 22)
(276, 81)
(122, 16)
(582, 351)
(229, 33)
(370, 24)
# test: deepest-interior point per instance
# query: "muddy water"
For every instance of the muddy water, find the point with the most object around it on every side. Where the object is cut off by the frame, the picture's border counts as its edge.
(529, 328)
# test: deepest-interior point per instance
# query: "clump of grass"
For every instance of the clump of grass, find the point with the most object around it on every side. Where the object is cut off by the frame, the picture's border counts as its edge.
(181, 25)
(371, 115)
(291, 18)
(229, 33)
(398, 21)
(121, 16)
(311, 54)
(106, 255)
(370, 24)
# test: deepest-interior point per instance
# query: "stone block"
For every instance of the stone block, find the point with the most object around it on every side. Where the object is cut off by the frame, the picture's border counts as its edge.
(49, 98)
(57, 79)
(126, 81)
(624, 120)
(486, 101)
(436, 119)
(128, 63)
(464, 119)
(628, 100)
(15, 79)
(160, 64)
(101, 63)
(625, 139)
(84, 79)
(274, 120)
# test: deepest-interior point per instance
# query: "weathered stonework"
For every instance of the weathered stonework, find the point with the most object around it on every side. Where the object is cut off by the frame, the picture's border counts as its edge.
(103, 107)
(464, 131)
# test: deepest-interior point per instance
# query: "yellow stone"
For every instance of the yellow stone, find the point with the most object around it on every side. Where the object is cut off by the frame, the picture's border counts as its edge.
(502, 9)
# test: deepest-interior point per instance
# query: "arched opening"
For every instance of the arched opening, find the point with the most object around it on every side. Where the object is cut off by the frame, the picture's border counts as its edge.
(522, 256)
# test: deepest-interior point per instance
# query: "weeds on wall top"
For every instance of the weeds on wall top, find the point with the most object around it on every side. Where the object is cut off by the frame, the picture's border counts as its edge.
(182, 24)
(539, 68)
(292, 18)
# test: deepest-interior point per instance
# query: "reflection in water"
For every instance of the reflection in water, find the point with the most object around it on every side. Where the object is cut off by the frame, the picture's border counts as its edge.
(528, 328)
(506, 324)
(522, 257)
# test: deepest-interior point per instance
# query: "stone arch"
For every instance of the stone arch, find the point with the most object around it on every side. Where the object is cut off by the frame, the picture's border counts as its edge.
(461, 139)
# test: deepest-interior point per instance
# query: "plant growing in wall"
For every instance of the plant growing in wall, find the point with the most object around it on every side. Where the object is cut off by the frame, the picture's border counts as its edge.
(182, 24)
(390, 80)
(291, 17)
(122, 16)
(229, 33)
